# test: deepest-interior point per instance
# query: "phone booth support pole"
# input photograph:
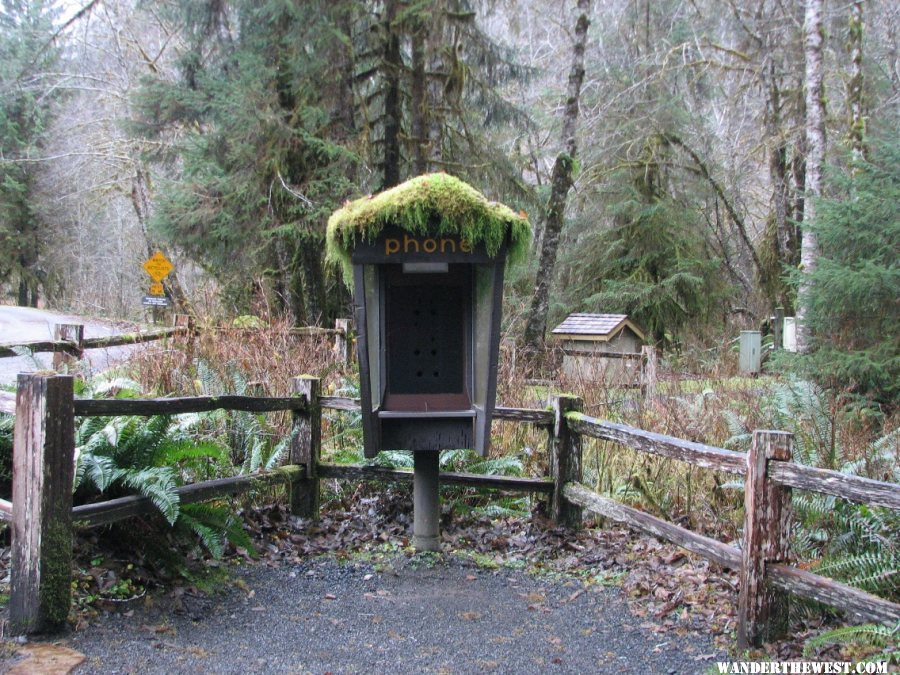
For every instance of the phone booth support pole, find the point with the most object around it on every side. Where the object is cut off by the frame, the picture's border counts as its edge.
(426, 501)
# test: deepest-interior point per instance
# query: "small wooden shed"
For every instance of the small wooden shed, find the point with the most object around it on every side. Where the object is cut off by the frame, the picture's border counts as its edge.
(600, 346)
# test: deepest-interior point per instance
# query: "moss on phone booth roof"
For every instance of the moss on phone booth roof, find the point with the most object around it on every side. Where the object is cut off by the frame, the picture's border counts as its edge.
(433, 204)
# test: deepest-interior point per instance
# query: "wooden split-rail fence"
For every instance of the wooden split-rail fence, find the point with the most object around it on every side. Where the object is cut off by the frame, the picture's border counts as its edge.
(69, 341)
(43, 519)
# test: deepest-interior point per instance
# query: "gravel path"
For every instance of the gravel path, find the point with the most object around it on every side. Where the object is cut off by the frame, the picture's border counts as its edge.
(419, 615)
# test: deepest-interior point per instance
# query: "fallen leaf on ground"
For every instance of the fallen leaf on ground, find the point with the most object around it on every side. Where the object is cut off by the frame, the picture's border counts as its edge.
(46, 659)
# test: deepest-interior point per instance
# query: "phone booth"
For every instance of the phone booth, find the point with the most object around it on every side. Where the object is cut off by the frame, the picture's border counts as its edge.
(426, 261)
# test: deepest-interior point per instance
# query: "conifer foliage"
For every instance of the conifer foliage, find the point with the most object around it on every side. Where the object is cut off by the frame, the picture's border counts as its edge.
(854, 311)
(26, 97)
(250, 118)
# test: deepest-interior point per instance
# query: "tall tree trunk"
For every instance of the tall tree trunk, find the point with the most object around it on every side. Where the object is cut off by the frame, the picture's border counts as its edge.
(815, 158)
(417, 102)
(310, 262)
(22, 295)
(857, 131)
(291, 269)
(778, 165)
(560, 184)
(392, 62)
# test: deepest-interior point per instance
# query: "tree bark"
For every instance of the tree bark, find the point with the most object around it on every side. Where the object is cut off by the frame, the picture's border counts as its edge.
(313, 281)
(392, 62)
(560, 183)
(857, 131)
(417, 102)
(815, 158)
(778, 169)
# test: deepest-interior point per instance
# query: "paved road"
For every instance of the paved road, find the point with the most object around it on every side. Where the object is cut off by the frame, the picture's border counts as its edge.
(23, 324)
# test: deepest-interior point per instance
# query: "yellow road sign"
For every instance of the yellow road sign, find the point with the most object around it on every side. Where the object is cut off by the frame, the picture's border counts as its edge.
(158, 267)
(156, 288)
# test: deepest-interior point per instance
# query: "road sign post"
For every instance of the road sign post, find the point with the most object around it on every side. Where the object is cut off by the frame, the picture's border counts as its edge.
(158, 266)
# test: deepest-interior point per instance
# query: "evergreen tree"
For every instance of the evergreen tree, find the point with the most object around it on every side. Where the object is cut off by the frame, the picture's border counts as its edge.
(26, 96)
(854, 301)
(427, 83)
(653, 263)
(255, 121)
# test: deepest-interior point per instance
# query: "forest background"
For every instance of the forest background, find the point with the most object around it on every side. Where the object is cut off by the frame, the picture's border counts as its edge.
(695, 164)
(225, 132)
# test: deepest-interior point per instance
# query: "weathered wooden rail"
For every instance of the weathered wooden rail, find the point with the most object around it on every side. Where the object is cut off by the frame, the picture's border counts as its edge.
(45, 410)
(76, 347)
(764, 556)
(69, 338)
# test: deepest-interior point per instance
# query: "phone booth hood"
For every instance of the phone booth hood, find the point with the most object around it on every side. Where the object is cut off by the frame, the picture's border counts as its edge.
(425, 261)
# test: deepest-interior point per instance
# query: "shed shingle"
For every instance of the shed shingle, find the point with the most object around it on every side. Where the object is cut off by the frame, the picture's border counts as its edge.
(599, 325)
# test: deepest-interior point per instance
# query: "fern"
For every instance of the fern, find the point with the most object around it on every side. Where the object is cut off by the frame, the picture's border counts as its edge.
(141, 438)
(110, 384)
(135, 454)
(876, 636)
(875, 571)
(153, 456)
(394, 459)
(277, 452)
(214, 524)
(498, 466)
(211, 538)
(853, 543)
(500, 511)
(29, 355)
(740, 436)
(158, 485)
(451, 460)
(99, 470)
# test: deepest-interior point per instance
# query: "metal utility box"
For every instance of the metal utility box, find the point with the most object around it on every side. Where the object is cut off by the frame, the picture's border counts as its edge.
(750, 351)
(427, 262)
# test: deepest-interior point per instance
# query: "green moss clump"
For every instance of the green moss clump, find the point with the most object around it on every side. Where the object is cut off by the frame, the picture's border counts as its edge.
(55, 592)
(434, 204)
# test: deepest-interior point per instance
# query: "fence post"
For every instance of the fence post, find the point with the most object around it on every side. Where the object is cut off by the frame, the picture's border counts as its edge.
(565, 459)
(648, 372)
(43, 471)
(69, 332)
(763, 613)
(184, 321)
(778, 329)
(306, 446)
(343, 345)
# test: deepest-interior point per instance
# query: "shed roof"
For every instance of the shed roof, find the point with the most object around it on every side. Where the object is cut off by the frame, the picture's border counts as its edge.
(599, 327)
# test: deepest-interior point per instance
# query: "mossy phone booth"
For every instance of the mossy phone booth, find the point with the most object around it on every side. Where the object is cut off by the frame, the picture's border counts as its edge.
(427, 308)
(428, 317)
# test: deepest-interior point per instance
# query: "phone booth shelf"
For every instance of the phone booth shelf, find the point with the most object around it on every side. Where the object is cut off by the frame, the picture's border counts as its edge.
(425, 260)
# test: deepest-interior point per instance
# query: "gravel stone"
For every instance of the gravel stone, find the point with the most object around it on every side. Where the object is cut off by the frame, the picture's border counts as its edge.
(415, 615)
